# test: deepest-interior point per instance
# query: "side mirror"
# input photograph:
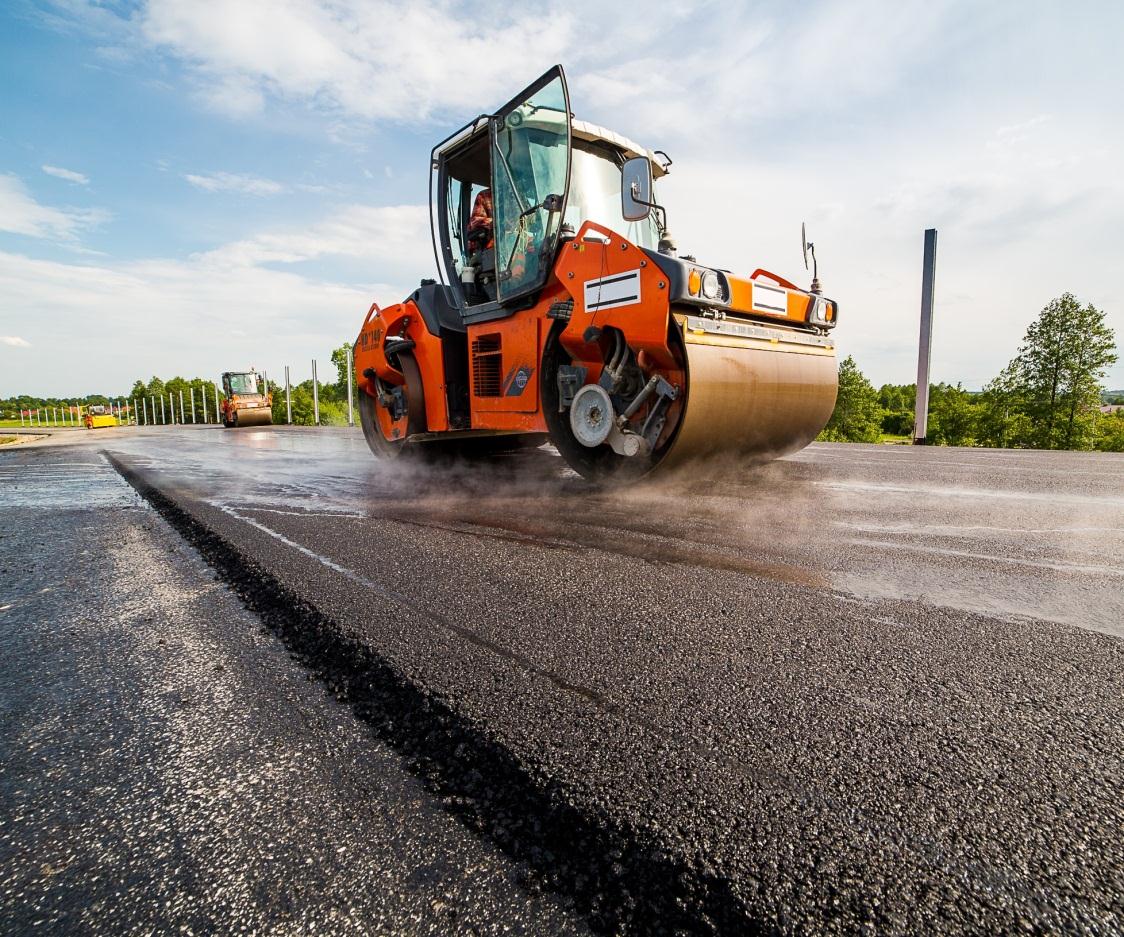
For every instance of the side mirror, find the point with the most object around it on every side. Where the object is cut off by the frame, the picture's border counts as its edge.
(636, 188)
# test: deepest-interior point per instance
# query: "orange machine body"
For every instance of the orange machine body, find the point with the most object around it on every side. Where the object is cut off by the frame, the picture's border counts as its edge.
(506, 352)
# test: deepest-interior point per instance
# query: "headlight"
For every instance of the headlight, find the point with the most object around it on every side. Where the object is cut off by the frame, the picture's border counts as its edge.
(711, 287)
(823, 312)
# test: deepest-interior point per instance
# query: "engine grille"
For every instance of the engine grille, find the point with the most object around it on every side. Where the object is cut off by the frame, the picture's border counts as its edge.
(487, 366)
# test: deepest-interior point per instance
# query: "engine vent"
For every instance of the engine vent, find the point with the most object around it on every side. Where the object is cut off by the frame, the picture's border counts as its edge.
(487, 366)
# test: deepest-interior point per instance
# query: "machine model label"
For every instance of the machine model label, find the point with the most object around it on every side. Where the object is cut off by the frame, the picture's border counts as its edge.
(620, 289)
(770, 299)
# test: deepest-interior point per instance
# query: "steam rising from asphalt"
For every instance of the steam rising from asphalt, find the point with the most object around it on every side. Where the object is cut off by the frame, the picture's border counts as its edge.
(1015, 535)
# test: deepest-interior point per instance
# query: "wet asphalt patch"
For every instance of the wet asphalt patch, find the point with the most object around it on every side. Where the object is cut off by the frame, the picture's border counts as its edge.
(620, 881)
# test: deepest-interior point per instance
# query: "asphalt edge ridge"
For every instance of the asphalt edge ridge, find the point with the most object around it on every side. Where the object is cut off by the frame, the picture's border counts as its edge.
(619, 882)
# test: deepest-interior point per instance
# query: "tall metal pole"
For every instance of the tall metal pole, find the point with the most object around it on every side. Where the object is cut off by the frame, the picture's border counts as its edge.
(315, 396)
(163, 417)
(350, 406)
(203, 394)
(928, 283)
(192, 403)
(218, 409)
(288, 398)
(183, 419)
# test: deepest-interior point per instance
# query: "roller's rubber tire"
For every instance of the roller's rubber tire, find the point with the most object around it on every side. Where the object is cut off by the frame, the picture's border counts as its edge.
(380, 446)
(599, 463)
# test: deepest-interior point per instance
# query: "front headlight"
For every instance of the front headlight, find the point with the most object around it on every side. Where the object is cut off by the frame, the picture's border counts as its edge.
(823, 312)
(711, 286)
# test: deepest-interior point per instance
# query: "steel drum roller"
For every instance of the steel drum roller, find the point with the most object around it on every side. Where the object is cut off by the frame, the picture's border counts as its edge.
(254, 417)
(752, 398)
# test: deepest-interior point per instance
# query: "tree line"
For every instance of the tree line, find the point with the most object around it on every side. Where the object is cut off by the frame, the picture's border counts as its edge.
(1048, 397)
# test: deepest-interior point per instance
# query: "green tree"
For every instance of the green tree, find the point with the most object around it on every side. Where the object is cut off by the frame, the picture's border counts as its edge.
(339, 359)
(857, 416)
(897, 401)
(1110, 432)
(952, 416)
(1059, 367)
(1002, 420)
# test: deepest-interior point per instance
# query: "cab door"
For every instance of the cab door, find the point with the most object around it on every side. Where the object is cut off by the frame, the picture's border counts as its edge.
(530, 150)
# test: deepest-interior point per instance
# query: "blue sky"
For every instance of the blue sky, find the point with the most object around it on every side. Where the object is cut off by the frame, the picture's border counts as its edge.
(191, 187)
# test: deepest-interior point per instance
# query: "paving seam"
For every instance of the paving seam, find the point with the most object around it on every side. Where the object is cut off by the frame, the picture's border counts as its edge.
(618, 878)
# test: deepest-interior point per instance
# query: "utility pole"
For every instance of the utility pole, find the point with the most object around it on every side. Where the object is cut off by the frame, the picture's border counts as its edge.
(192, 403)
(288, 398)
(350, 407)
(928, 283)
(218, 409)
(315, 396)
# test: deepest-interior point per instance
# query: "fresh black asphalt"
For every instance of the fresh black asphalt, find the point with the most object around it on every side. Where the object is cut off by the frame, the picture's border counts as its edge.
(868, 689)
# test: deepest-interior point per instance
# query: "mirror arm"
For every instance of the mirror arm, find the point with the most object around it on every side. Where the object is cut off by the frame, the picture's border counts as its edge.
(659, 208)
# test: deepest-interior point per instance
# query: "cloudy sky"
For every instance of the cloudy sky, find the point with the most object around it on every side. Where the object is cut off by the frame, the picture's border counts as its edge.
(188, 186)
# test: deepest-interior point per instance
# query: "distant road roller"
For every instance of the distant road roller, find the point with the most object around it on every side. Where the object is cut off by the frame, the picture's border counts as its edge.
(244, 402)
(565, 312)
(98, 416)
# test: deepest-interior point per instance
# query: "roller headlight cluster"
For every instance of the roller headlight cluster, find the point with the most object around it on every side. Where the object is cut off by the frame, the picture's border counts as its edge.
(707, 285)
(823, 312)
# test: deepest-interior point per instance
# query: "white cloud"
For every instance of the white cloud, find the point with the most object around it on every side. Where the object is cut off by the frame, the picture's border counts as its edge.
(14, 341)
(20, 213)
(373, 59)
(392, 235)
(68, 174)
(127, 320)
(234, 182)
(267, 316)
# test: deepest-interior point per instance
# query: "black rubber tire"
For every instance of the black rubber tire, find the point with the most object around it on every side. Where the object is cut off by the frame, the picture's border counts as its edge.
(382, 447)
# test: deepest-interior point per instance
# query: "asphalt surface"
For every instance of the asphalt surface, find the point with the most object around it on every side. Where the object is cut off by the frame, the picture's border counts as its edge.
(166, 767)
(865, 689)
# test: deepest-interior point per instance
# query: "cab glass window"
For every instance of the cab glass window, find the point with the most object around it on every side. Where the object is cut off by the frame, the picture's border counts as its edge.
(530, 168)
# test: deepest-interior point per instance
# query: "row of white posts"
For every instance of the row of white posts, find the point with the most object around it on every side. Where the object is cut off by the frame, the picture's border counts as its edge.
(143, 411)
(71, 414)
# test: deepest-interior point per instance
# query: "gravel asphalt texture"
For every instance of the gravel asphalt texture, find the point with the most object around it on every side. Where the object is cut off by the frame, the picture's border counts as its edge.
(862, 690)
(166, 767)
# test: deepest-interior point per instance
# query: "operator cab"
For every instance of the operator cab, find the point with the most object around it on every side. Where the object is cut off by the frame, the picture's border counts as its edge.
(545, 175)
(244, 383)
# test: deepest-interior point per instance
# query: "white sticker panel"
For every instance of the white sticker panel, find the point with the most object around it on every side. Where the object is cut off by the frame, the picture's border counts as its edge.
(772, 300)
(620, 289)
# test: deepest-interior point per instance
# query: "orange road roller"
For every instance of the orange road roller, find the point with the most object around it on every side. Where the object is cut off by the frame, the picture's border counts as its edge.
(565, 313)
(244, 402)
